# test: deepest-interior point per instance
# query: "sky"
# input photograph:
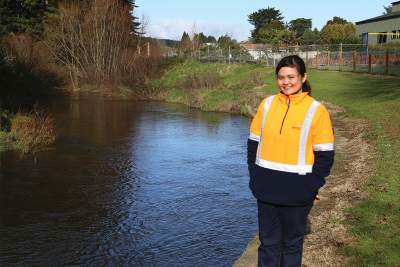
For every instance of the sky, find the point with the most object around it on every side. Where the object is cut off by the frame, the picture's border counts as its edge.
(168, 19)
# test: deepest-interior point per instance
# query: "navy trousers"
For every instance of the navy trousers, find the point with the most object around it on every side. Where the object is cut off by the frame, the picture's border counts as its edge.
(281, 233)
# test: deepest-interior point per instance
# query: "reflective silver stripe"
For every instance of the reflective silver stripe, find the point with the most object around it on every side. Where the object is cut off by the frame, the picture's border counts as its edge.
(301, 169)
(305, 129)
(323, 147)
(267, 105)
(254, 137)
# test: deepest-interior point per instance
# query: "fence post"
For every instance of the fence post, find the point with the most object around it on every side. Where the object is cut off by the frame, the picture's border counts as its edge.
(354, 60)
(329, 59)
(307, 57)
(340, 56)
(148, 49)
(369, 63)
(387, 61)
(317, 60)
(229, 55)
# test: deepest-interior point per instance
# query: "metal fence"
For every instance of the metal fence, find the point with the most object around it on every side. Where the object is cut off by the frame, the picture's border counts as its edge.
(341, 57)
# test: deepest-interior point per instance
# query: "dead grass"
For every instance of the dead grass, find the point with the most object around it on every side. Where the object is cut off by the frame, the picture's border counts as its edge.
(201, 80)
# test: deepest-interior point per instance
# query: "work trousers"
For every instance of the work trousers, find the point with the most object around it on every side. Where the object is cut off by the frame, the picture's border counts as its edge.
(281, 233)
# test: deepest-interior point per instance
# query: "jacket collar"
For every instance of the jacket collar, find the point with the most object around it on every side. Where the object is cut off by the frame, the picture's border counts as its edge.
(294, 98)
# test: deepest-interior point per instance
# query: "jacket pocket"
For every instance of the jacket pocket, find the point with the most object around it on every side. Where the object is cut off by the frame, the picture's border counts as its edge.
(315, 182)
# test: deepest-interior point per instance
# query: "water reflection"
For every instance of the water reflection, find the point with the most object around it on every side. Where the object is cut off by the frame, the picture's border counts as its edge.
(143, 184)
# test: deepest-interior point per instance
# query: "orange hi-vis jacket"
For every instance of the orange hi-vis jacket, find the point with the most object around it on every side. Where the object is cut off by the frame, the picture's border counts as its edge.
(289, 129)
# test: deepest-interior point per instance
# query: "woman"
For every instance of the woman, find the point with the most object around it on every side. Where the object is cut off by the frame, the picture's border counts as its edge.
(290, 152)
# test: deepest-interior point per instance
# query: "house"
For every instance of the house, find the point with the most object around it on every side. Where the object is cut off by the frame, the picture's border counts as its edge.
(257, 51)
(381, 29)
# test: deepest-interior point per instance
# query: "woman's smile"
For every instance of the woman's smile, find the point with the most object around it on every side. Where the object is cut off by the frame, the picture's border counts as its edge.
(289, 80)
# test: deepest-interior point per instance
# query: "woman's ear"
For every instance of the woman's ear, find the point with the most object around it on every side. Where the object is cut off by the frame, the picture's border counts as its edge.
(304, 78)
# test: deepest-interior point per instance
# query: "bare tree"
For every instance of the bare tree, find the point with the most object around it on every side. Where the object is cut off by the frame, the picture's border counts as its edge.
(95, 41)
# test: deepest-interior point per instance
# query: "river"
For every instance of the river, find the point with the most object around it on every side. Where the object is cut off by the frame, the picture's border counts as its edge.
(129, 184)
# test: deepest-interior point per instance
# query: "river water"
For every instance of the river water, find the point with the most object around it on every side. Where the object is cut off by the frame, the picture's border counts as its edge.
(129, 184)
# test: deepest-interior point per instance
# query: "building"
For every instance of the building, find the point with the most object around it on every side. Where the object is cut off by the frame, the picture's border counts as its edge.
(381, 29)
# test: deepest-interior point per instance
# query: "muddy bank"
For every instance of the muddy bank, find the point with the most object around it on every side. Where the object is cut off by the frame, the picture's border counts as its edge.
(342, 189)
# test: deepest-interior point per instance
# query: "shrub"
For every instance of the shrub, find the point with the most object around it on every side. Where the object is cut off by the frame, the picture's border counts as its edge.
(34, 131)
(201, 80)
(252, 80)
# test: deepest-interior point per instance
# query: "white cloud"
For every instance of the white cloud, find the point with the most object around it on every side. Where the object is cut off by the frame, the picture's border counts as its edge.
(173, 29)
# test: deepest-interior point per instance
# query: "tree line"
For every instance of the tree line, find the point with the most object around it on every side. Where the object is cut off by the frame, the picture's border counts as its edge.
(270, 27)
(199, 40)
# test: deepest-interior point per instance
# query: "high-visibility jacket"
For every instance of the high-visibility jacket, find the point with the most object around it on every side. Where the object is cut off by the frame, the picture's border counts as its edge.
(292, 141)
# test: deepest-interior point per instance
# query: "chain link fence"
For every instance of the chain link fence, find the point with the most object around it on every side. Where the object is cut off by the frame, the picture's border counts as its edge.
(338, 57)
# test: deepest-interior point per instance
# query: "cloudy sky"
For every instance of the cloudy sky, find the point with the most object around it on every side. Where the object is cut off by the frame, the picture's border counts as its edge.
(168, 19)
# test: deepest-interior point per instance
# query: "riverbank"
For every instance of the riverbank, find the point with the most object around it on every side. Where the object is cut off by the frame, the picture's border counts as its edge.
(370, 224)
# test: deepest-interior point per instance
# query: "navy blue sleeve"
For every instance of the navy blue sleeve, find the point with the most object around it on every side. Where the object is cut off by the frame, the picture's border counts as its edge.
(251, 153)
(323, 161)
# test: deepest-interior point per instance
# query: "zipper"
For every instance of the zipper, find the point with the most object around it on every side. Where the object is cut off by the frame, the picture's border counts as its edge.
(283, 121)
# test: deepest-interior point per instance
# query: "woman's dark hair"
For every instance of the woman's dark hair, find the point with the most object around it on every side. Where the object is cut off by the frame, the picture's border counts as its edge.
(295, 61)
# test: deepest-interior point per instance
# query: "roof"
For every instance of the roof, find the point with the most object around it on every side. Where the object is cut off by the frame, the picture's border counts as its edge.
(255, 46)
(379, 18)
(395, 3)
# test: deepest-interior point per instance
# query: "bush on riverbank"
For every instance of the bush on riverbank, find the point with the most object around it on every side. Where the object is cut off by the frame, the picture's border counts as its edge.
(32, 131)
(201, 80)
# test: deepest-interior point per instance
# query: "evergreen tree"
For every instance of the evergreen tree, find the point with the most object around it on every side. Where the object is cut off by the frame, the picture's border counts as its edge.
(310, 37)
(185, 44)
(136, 25)
(300, 25)
(22, 16)
(267, 23)
(265, 16)
(211, 39)
(225, 41)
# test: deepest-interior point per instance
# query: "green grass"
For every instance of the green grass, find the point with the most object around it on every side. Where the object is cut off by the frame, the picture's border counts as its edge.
(375, 222)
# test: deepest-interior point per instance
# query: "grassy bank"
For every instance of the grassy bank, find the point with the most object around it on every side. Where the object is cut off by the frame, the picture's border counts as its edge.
(375, 221)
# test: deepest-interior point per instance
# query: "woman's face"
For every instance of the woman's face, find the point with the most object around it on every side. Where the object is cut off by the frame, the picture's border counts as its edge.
(289, 80)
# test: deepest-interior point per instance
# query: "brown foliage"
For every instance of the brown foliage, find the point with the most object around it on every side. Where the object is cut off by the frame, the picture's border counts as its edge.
(19, 48)
(95, 43)
(252, 80)
(201, 80)
(33, 131)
